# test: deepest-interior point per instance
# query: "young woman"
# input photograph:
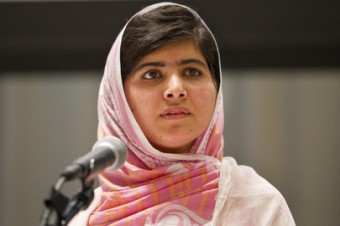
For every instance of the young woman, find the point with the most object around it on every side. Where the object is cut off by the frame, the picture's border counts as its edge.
(161, 95)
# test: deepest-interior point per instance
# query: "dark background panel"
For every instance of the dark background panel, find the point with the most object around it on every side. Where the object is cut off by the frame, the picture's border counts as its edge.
(77, 35)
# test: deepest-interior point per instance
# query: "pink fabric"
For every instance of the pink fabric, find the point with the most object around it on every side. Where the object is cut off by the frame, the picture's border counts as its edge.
(152, 186)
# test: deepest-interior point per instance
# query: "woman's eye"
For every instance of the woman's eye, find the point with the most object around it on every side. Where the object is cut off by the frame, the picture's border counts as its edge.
(192, 72)
(151, 75)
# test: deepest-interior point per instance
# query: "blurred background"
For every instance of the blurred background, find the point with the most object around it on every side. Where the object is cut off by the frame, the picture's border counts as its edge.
(281, 81)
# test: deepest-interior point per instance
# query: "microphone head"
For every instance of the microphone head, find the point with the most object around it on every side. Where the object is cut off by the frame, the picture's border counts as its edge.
(117, 147)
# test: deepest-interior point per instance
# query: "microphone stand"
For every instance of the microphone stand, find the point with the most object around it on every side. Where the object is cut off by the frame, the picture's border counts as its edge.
(60, 209)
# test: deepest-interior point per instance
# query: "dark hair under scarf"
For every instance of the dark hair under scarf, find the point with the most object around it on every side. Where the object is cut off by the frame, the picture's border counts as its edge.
(149, 31)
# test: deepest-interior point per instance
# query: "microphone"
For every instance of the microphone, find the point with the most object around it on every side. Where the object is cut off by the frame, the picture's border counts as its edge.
(108, 153)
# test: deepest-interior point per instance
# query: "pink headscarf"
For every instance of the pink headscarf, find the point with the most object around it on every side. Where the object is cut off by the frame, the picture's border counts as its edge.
(152, 186)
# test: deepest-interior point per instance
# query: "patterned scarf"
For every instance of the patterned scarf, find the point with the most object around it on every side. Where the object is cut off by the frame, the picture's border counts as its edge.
(154, 188)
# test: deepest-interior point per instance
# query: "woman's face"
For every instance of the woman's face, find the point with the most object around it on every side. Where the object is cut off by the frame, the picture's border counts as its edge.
(172, 95)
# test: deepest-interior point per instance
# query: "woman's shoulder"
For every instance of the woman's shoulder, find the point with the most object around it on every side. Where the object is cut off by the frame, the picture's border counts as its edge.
(251, 193)
(246, 181)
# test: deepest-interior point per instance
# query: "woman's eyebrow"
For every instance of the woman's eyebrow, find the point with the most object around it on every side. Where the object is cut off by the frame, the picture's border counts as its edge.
(162, 64)
(192, 60)
(154, 64)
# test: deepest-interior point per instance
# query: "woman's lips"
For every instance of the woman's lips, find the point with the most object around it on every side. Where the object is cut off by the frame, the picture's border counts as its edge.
(175, 113)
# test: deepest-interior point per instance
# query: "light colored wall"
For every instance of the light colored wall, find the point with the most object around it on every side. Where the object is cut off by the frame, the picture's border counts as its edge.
(46, 121)
(283, 123)
(286, 124)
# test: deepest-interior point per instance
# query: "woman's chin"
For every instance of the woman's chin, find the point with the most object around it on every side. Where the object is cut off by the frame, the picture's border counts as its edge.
(174, 148)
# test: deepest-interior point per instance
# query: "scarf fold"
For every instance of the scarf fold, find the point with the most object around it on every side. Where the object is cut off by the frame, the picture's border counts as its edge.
(154, 188)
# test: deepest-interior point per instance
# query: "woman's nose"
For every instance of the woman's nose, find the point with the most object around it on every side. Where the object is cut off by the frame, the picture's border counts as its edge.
(175, 88)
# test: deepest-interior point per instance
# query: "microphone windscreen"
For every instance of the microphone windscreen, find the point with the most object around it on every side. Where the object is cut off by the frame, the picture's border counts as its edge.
(116, 146)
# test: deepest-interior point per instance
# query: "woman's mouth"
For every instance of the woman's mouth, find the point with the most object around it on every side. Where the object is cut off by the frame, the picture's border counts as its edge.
(175, 113)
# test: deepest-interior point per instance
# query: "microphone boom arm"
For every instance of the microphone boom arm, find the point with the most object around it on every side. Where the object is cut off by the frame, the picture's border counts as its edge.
(64, 208)
(108, 152)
